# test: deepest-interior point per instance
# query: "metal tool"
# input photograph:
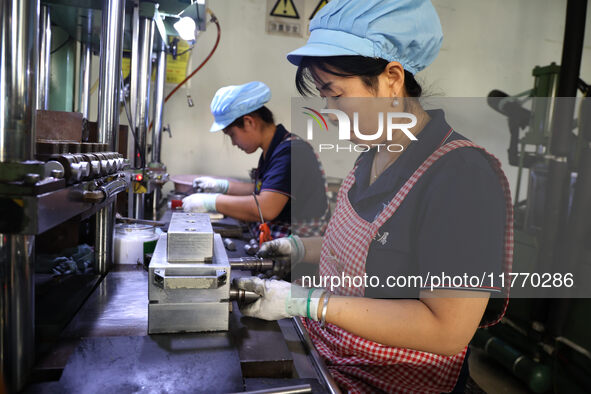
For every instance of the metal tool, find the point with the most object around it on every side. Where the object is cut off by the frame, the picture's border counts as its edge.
(265, 231)
(243, 297)
(251, 263)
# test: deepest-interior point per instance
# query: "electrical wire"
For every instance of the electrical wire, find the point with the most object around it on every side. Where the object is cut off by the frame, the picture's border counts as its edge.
(214, 19)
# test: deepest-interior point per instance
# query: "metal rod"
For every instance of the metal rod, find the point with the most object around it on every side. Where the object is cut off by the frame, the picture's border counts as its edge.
(108, 117)
(110, 64)
(251, 264)
(44, 75)
(138, 205)
(296, 389)
(18, 78)
(156, 195)
(159, 103)
(85, 72)
(17, 308)
(146, 38)
(103, 244)
(319, 365)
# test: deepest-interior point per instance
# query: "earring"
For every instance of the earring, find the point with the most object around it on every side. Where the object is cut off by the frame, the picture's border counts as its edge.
(395, 102)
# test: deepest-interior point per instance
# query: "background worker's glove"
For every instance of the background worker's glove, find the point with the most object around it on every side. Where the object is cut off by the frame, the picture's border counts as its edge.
(200, 202)
(288, 248)
(207, 184)
(279, 299)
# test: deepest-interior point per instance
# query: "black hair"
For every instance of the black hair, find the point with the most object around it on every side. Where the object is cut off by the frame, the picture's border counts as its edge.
(262, 113)
(366, 68)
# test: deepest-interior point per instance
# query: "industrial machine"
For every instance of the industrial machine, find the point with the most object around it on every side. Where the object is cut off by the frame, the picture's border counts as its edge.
(62, 176)
(545, 341)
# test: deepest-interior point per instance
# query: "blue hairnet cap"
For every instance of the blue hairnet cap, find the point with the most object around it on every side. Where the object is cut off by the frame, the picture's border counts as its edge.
(406, 31)
(231, 102)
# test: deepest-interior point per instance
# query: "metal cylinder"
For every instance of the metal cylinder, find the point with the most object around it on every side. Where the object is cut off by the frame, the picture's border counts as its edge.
(146, 38)
(17, 308)
(243, 297)
(109, 73)
(159, 104)
(18, 78)
(85, 70)
(251, 264)
(139, 205)
(103, 244)
(44, 74)
(108, 117)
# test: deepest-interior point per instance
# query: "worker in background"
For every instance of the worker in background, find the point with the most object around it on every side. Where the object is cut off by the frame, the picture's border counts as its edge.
(439, 204)
(240, 112)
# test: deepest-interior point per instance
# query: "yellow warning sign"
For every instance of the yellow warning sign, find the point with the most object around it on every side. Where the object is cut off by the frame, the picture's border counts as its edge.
(176, 69)
(321, 4)
(285, 9)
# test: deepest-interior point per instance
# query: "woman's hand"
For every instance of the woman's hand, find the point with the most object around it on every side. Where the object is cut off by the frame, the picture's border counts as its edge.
(207, 184)
(290, 249)
(279, 299)
(200, 202)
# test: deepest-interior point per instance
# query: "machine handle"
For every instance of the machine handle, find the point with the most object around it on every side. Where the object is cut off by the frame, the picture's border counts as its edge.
(104, 192)
(178, 282)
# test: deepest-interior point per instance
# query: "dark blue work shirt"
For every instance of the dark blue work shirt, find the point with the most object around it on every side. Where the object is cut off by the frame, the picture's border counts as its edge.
(452, 221)
(292, 168)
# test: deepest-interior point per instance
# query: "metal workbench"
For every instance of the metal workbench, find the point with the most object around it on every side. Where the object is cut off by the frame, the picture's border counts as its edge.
(106, 348)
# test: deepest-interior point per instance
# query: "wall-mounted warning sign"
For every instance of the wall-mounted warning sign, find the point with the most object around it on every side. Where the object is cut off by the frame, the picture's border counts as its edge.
(285, 9)
(321, 4)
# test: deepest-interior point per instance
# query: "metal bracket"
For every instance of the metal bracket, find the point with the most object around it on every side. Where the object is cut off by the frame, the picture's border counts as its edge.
(177, 282)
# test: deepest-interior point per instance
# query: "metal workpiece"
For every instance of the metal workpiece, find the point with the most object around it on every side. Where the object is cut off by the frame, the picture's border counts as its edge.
(190, 238)
(159, 103)
(109, 73)
(188, 296)
(44, 70)
(17, 308)
(18, 78)
(251, 264)
(145, 42)
(243, 297)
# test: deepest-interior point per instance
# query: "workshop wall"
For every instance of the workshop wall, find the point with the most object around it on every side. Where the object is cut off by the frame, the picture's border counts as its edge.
(488, 44)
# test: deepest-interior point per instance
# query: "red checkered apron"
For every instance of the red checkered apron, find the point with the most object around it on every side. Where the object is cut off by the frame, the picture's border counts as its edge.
(360, 365)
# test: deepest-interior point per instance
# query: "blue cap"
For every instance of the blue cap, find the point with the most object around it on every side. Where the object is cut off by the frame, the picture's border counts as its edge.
(406, 31)
(231, 102)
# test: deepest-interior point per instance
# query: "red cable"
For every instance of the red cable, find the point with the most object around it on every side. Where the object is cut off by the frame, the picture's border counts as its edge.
(177, 87)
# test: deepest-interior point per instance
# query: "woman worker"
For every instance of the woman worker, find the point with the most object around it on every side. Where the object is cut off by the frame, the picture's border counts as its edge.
(442, 200)
(240, 112)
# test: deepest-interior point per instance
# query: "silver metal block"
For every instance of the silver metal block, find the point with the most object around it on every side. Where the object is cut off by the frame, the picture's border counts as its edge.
(190, 238)
(193, 317)
(188, 296)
